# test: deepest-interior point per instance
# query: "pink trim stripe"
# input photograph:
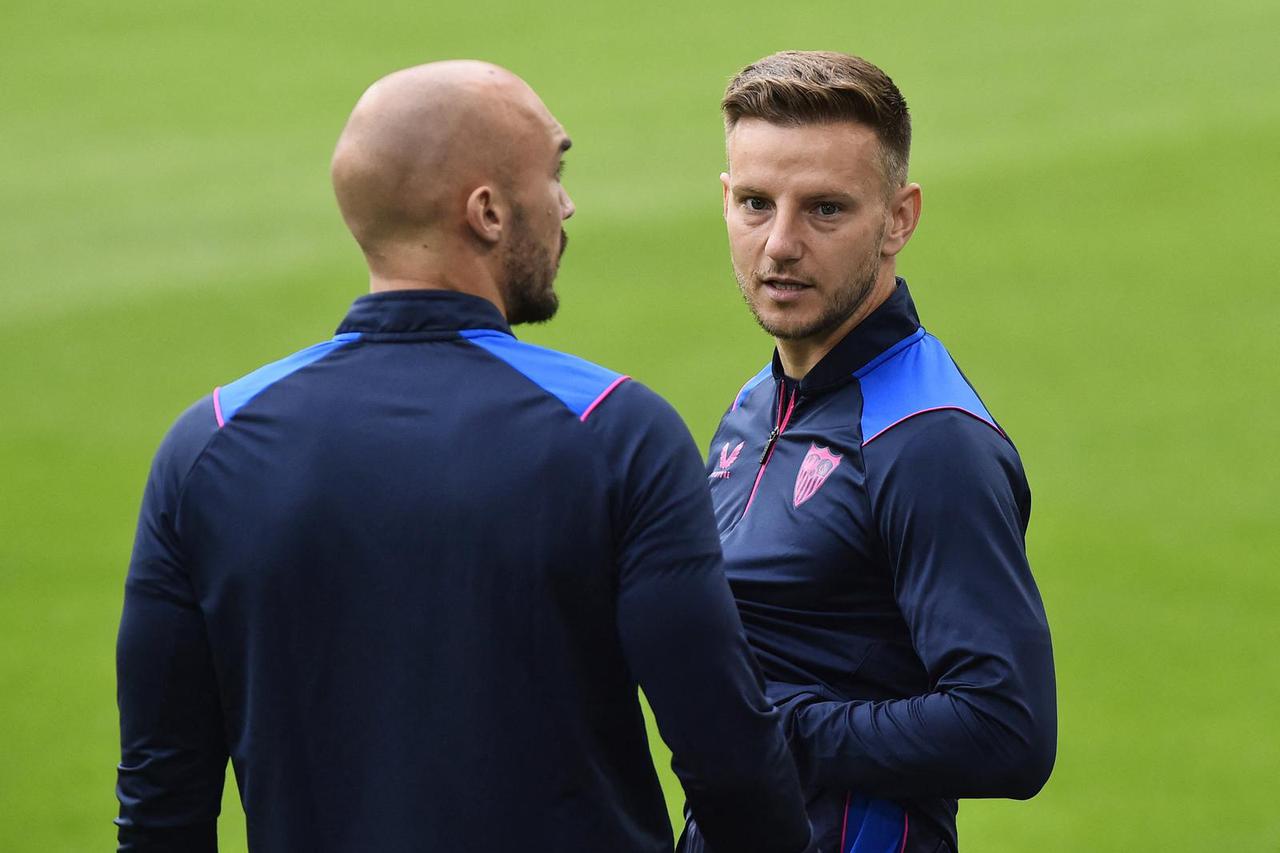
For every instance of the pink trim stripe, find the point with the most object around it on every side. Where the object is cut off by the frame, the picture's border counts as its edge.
(844, 827)
(906, 824)
(934, 409)
(765, 464)
(217, 407)
(605, 393)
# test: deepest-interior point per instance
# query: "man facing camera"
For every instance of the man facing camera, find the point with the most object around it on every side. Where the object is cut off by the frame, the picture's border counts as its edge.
(409, 578)
(871, 509)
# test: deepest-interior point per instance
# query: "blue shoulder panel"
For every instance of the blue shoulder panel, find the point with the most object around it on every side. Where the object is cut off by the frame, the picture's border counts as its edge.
(764, 374)
(914, 376)
(576, 382)
(229, 399)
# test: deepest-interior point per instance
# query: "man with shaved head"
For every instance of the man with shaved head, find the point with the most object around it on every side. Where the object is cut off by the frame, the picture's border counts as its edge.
(409, 578)
(426, 162)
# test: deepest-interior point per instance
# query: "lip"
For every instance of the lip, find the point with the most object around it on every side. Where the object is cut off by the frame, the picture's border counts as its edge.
(783, 289)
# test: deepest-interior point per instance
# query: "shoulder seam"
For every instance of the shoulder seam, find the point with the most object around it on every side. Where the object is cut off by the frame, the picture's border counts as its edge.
(921, 376)
(581, 405)
(334, 344)
(613, 386)
(906, 418)
(181, 495)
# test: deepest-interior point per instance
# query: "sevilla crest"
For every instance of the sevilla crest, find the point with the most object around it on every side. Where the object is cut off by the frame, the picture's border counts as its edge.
(818, 464)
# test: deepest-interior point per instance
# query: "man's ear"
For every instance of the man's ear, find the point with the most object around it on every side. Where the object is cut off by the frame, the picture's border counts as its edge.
(485, 214)
(904, 216)
(724, 183)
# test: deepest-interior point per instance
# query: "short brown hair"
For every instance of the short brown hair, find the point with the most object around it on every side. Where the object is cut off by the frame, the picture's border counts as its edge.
(797, 87)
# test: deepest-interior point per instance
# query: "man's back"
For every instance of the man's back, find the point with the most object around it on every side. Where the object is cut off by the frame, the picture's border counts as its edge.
(413, 574)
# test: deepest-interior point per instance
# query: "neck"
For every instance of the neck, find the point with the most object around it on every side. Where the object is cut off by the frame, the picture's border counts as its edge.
(460, 276)
(800, 355)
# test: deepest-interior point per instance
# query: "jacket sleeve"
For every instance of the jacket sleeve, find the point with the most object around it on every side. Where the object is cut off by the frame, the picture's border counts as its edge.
(173, 752)
(684, 642)
(951, 505)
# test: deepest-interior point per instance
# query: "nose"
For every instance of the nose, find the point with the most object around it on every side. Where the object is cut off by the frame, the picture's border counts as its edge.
(784, 244)
(567, 207)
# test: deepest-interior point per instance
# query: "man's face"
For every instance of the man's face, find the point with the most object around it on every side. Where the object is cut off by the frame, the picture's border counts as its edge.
(537, 238)
(806, 213)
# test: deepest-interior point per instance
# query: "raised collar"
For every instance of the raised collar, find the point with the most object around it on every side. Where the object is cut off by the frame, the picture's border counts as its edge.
(891, 322)
(399, 312)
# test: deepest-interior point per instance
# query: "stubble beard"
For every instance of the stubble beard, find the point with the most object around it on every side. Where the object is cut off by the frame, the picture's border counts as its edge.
(529, 271)
(842, 304)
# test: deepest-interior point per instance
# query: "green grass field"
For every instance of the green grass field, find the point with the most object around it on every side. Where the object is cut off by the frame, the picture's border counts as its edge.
(1098, 250)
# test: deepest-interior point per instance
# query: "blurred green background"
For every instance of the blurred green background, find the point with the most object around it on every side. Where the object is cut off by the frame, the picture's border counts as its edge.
(1098, 250)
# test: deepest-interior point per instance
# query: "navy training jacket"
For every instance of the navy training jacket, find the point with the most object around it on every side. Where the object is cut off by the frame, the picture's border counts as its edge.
(873, 518)
(408, 580)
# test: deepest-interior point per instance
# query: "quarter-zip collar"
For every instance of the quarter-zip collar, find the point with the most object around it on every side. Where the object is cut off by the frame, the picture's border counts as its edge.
(892, 321)
(421, 312)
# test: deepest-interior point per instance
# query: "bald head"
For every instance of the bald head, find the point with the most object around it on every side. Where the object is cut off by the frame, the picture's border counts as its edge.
(448, 176)
(421, 139)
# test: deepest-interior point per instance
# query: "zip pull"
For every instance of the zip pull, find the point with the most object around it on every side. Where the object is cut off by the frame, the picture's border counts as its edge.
(779, 424)
(773, 439)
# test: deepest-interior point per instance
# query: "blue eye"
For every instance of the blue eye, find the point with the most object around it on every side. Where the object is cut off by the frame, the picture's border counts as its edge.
(828, 208)
(756, 204)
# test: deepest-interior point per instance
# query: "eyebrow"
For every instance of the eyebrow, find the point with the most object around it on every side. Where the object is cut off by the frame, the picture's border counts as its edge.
(565, 144)
(834, 195)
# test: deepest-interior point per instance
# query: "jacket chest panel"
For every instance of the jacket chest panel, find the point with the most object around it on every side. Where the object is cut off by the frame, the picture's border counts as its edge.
(793, 516)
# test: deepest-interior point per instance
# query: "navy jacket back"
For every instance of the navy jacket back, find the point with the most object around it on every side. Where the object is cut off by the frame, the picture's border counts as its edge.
(408, 580)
